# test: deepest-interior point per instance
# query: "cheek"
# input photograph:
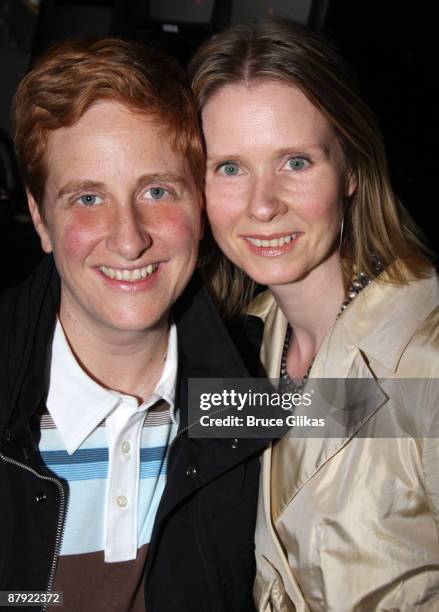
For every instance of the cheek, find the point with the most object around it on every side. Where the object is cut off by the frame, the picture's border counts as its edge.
(323, 206)
(77, 237)
(321, 211)
(179, 228)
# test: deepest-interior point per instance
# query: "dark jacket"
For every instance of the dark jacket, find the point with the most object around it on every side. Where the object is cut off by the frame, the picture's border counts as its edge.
(201, 555)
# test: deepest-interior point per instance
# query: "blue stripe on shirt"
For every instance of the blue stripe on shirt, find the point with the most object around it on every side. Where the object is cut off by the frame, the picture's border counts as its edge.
(94, 455)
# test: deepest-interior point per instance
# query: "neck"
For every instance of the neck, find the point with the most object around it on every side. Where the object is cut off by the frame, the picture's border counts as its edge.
(311, 305)
(128, 362)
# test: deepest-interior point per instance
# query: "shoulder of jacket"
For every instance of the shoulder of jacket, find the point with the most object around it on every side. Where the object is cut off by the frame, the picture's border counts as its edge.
(420, 358)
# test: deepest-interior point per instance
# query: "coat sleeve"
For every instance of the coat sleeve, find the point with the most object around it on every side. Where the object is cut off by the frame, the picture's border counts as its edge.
(428, 360)
(430, 447)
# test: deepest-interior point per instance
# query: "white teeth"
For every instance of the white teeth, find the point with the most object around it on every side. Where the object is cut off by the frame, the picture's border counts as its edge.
(275, 242)
(129, 275)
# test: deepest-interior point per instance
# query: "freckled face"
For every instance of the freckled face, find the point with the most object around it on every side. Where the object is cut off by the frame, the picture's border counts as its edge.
(122, 217)
(275, 181)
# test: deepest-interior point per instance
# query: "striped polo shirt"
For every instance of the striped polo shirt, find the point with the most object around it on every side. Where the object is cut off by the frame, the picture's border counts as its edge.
(113, 454)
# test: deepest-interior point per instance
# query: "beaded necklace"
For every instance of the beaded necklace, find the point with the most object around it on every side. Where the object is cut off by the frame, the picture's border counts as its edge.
(296, 385)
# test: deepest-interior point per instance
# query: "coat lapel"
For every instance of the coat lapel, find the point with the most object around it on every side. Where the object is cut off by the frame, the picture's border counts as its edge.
(345, 406)
(289, 463)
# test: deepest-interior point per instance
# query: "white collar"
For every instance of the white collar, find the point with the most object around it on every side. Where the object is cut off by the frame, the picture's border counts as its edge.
(78, 404)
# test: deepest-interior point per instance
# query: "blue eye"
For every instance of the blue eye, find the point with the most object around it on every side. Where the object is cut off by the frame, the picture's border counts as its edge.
(297, 163)
(89, 199)
(157, 193)
(229, 169)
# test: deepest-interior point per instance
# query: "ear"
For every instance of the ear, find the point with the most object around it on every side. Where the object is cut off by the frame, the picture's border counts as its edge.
(39, 224)
(351, 184)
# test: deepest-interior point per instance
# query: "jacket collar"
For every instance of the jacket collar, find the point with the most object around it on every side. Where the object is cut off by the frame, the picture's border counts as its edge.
(264, 306)
(374, 321)
(371, 324)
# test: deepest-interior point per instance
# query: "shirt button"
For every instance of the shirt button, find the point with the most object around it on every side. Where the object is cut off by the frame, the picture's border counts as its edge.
(121, 501)
(126, 447)
(191, 471)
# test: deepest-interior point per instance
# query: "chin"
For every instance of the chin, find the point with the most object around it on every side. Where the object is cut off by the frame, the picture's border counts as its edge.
(136, 322)
(273, 277)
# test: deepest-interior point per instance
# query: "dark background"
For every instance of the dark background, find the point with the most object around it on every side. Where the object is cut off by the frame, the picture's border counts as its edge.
(390, 43)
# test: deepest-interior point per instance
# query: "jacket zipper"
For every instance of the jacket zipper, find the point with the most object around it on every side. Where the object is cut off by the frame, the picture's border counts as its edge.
(62, 507)
(60, 518)
(179, 434)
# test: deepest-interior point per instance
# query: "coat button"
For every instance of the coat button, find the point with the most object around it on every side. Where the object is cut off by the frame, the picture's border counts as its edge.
(191, 471)
(235, 443)
(41, 498)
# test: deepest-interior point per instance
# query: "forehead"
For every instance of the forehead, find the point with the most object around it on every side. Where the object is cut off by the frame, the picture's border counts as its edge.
(110, 138)
(263, 113)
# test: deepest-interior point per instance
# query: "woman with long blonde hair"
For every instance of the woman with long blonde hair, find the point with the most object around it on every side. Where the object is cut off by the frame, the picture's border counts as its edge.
(299, 199)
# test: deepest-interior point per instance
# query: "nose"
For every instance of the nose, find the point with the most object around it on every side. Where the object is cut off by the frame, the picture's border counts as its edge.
(264, 203)
(128, 236)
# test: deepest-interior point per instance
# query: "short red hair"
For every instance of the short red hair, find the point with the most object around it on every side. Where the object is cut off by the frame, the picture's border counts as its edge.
(73, 75)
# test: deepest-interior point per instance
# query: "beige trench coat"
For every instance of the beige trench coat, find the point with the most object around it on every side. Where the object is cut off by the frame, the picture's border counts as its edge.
(352, 523)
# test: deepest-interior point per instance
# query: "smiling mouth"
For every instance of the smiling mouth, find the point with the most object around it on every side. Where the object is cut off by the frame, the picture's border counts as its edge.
(274, 242)
(130, 276)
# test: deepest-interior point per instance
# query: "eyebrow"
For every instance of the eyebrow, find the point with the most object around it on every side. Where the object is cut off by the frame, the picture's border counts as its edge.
(88, 185)
(161, 178)
(75, 186)
(295, 149)
(303, 148)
